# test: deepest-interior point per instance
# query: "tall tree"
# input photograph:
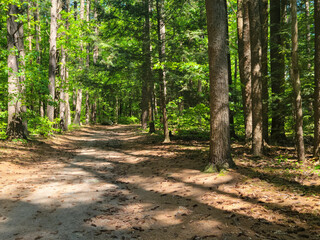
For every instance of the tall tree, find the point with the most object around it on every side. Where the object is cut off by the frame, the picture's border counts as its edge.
(316, 150)
(30, 43)
(38, 48)
(255, 40)
(162, 70)
(29, 16)
(277, 13)
(87, 66)
(64, 96)
(145, 95)
(264, 67)
(295, 77)
(244, 51)
(151, 85)
(95, 57)
(308, 35)
(16, 128)
(52, 59)
(96, 31)
(220, 148)
(67, 120)
(78, 102)
(231, 95)
(22, 77)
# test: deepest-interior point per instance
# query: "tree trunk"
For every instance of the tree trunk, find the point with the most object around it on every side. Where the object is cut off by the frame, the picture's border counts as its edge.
(316, 151)
(37, 31)
(52, 59)
(296, 83)
(22, 77)
(82, 9)
(64, 95)
(277, 69)
(308, 31)
(255, 40)
(38, 49)
(30, 38)
(63, 102)
(96, 47)
(220, 148)
(162, 70)
(87, 66)
(244, 51)
(67, 120)
(74, 99)
(88, 45)
(231, 95)
(94, 111)
(151, 107)
(29, 25)
(264, 67)
(16, 128)
(77, 117)
(146, 94)
(95, 58)
(62, 108)
(87, 108)
(116, 110)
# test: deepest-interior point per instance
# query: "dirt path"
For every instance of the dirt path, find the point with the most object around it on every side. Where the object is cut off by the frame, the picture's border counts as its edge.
(116, 183)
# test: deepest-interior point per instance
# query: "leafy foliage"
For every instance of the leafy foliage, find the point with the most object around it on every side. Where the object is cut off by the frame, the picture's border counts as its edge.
(114, 80)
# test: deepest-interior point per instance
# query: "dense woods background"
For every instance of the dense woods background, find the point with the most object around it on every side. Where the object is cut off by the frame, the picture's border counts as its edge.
(64, 63)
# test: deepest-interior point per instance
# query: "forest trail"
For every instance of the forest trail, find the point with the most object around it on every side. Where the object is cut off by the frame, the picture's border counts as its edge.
(114, 182)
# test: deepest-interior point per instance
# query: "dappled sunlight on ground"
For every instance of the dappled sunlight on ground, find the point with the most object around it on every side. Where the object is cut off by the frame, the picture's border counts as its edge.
(117, 183)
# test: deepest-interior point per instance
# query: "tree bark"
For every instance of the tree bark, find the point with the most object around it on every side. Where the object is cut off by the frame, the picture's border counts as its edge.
(67, 120)
(116, 110)
(16, 128)
(264, 68)
(162, 70)
(52, 59)
(96, 31)
(296, 82)
(244, 51)
(94, 111)
(146, 68)
(220, 148)
(29, 14)
(87, 66)
(30, 38)
(64, 96)
(307, 2)
(277, 15)
(38, 49)
(22, 77)
(67, 115)
(316, 150)
(87, 108)
(255, 40)
(77, 117)
(231, 92)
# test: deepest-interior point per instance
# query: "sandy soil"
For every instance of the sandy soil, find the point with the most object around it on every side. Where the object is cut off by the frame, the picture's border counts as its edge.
(114, 182)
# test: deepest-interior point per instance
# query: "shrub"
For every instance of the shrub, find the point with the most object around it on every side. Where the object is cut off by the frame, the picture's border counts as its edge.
(128, 120)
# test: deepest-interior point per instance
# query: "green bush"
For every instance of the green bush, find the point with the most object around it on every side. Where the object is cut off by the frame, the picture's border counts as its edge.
(128, 120)
(3, 124)
(42, 126)
(194, 118)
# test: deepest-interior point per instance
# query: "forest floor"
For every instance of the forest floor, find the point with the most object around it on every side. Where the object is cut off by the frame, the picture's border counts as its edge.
(115, 182)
